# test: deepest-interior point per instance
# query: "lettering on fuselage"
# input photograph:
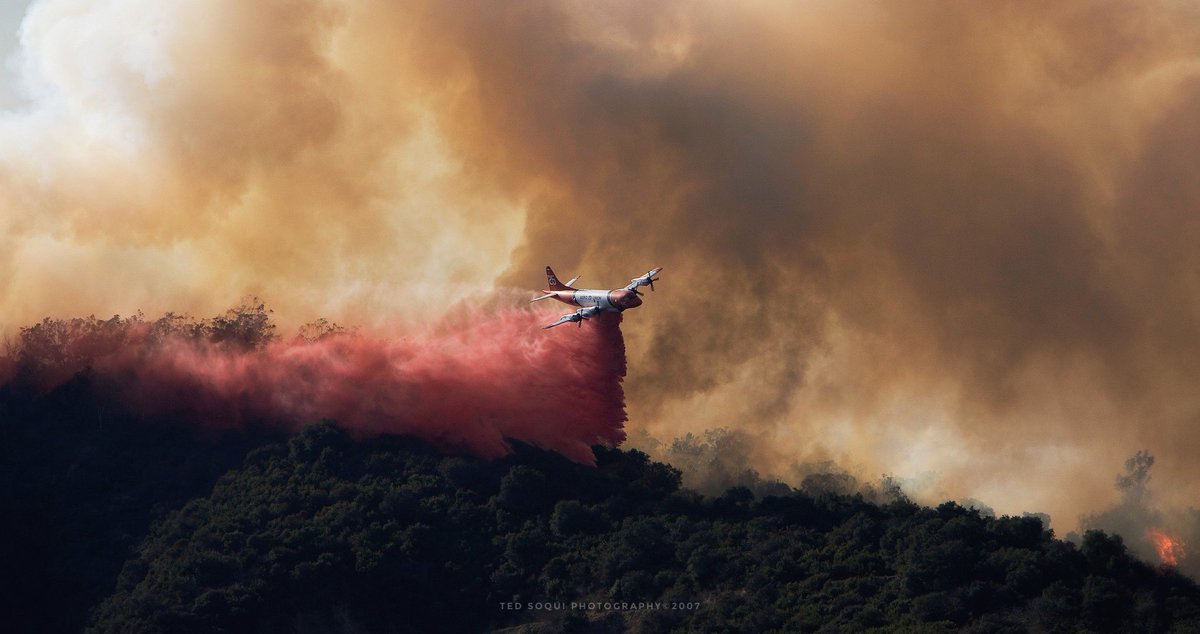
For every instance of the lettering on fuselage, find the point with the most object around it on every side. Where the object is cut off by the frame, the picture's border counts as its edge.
(596, 298)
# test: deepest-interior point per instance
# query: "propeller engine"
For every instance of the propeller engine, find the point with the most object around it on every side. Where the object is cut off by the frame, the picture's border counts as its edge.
(577, 317)
(645, 280)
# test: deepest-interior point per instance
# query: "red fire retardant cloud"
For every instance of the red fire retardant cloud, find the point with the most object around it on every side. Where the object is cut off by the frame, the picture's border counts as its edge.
(467, 386)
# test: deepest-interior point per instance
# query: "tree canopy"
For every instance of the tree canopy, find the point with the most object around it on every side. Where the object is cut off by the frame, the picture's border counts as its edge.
(116, 523)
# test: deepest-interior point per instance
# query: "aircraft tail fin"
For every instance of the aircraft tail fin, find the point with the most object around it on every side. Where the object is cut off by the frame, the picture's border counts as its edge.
(553, 283)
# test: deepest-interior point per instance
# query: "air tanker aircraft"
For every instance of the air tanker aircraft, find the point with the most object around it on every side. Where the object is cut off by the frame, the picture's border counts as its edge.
(594, 301)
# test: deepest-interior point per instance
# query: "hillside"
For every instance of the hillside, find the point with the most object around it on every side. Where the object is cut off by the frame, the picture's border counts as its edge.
(135, 525)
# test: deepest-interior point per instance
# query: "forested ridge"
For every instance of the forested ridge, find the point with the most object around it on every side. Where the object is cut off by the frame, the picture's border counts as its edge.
(116, 523)
(324, 532)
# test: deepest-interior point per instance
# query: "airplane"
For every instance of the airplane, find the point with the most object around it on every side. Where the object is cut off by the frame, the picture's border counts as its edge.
(594, 301)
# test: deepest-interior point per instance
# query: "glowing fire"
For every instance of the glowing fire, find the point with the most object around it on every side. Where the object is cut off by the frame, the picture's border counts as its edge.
(1170, 549)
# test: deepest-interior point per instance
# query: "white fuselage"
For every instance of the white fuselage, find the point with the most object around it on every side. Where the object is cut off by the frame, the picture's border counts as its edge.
(594, 297)
(609, 301)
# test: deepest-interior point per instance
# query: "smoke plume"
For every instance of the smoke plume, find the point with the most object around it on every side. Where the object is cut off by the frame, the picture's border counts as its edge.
(473, 383)
(1158, 532)
(949, 241)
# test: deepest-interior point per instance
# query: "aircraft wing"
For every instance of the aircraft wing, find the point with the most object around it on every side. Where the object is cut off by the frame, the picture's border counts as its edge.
(645, 280)
(578, 317)
(561, 320)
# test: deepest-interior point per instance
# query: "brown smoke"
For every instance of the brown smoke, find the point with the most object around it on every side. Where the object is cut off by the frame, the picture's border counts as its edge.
(955, 242)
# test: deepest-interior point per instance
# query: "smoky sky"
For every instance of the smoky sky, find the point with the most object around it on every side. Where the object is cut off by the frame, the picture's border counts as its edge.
(952, 242)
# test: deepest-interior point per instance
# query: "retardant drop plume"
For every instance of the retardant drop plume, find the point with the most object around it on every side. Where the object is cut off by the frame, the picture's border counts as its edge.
(471, 384)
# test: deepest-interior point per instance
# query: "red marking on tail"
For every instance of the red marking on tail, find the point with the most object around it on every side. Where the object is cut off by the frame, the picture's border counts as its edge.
(552, 282)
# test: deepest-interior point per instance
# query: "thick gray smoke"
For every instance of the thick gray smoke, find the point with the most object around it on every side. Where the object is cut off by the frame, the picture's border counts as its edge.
(950, 241)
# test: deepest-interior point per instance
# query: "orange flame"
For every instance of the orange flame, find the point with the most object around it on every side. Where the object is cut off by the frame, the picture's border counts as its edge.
(1170, 549)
